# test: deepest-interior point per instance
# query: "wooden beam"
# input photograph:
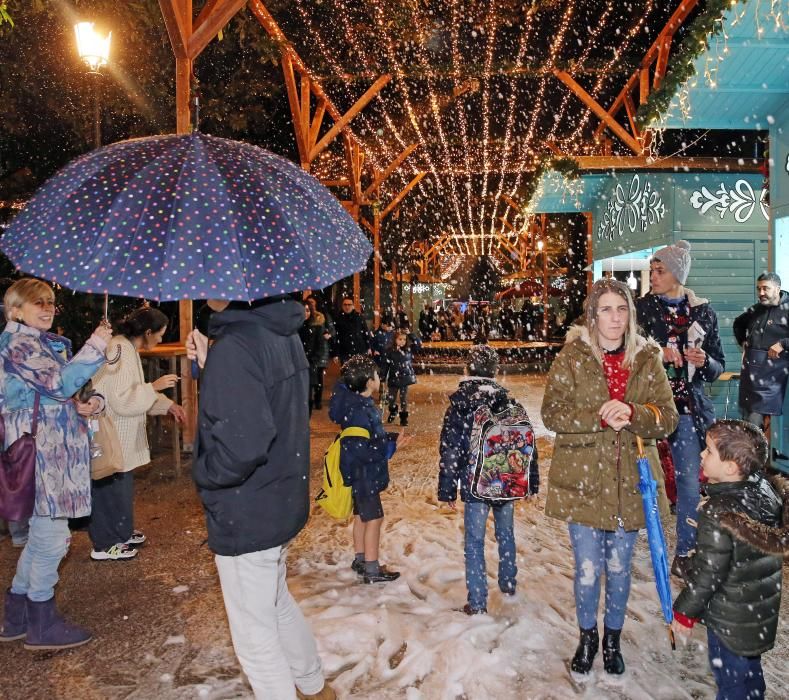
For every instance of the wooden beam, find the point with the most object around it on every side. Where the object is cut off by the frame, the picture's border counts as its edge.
(661, 64)
(355, 161)
(175, 14)
(618, 103)
(507, 224)
(402, 194)
(643, 85)
(212, 23)
(345, 119)
(509, 200)
(380, 177)
(343, 182)
(317, 120)
(630, 108)
(663, 39)
(295, 110)
(643, 163)
(504, 242)
(601, 113)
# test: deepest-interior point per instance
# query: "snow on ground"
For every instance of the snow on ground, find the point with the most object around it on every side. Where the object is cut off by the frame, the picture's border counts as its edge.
(406, 639)
(161, 630)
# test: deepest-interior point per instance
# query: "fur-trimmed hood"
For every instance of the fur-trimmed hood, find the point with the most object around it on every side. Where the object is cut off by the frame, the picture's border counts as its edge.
(771, 540)
(579, 332)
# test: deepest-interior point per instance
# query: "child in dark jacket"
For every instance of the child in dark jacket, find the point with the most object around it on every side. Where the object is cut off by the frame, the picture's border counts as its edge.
(478, 389)
(399, 374)
(733, 582)
(364, 462)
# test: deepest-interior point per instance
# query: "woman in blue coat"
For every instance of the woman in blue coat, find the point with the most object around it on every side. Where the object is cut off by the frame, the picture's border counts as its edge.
(35, 369)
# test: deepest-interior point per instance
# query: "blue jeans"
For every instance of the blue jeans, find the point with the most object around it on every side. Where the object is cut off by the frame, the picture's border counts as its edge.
(737, 677)
(686, 453)
(475, 517)
(596, 551)
(37, 568)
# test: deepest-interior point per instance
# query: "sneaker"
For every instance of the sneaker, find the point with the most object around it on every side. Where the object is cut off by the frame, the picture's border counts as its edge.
(468, 610)
(383, 576)
(358, 567)
(136, 539)
(117, 552)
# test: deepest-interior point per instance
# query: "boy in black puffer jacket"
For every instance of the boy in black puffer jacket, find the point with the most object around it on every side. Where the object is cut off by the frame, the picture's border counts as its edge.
(733, 587)
(364, 462)
(479, 389)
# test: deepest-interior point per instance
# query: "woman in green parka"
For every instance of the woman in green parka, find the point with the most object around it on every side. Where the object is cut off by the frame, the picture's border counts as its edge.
(605, 387)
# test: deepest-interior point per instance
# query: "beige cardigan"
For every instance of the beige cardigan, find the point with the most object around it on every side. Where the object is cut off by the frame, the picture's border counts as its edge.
(128, 400)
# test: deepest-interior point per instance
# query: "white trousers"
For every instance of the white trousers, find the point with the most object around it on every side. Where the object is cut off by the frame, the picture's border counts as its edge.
(273, 641)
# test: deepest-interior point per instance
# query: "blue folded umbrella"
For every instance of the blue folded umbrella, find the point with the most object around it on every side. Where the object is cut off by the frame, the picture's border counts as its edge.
(655, 537)
(185, 217)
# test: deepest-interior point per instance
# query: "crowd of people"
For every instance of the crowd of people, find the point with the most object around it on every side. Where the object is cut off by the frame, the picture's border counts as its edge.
(480, 321)
(630, 371)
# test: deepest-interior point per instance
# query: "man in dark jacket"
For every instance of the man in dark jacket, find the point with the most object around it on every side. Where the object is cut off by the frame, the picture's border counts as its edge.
(733, 587)
(352, 337)
(479, 389)
(763, 333)
(686, 328)
(251, 468)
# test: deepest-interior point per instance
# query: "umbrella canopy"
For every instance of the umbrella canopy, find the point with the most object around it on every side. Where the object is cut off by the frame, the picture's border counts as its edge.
(185, 217)
(655, 536)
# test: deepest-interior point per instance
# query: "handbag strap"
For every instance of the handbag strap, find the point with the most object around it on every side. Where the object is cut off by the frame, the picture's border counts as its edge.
(36, 404)
(34, 427)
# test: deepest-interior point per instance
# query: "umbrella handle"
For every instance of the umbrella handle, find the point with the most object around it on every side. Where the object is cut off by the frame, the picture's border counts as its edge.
(671, 639)
(640, 447)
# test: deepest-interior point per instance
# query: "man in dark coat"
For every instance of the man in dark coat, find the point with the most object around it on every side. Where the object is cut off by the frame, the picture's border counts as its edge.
(352, 337)
(763, 333)
(251, 468)
(686, 328)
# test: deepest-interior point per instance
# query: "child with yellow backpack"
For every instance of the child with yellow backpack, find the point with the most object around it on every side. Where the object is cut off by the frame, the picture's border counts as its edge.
(364, 461)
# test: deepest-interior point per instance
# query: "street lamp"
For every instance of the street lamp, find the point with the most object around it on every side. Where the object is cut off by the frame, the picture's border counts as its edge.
(94, 50)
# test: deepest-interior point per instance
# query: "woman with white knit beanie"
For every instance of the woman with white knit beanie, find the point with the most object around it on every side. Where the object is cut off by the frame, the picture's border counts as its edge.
(129, 400)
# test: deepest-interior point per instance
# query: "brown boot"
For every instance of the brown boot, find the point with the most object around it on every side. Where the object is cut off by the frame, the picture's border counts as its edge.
(325, 693)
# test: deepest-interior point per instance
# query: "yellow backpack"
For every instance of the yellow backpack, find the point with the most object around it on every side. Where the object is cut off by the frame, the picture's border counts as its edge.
(335, 497)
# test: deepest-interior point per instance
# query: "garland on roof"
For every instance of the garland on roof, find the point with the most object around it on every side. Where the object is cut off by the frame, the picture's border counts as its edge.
(697, 40)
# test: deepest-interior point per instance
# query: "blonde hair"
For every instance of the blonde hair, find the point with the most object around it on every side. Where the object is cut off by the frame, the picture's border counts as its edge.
(605, 286)
(25, 290)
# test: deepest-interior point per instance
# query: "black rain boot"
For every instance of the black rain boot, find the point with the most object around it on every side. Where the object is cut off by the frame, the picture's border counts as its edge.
(612, 656)
(392, 413)
(586, 651)
(403, 417)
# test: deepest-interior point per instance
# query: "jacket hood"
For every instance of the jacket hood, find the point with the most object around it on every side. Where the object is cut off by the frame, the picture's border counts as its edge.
(581, 333)
(280, 316)
(479, 390)
(343, 402)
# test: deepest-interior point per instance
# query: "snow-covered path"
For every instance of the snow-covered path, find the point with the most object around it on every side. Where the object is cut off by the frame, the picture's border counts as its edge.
(406, 640)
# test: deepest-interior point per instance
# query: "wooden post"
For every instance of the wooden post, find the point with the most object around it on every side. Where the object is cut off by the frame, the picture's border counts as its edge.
(589, 250)
(545, 290)
(394, 284)
(183, 76)
(376, 265)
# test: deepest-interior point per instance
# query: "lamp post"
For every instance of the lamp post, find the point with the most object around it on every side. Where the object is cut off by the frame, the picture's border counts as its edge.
(94, 50)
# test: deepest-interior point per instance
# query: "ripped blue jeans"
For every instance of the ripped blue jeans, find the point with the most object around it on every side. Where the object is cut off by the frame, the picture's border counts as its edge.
(597, 552)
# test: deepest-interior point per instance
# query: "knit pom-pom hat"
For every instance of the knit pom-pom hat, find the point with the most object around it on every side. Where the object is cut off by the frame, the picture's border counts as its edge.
(482, 361)
(677, 259)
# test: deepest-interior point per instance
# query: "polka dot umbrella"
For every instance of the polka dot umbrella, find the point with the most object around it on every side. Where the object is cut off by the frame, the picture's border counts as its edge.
(185, 217)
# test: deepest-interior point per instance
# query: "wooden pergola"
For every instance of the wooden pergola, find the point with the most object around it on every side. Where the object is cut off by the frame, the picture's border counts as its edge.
(318, 122)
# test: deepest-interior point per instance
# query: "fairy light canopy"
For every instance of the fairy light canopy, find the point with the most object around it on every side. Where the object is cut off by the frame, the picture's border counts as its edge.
(473, 84)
